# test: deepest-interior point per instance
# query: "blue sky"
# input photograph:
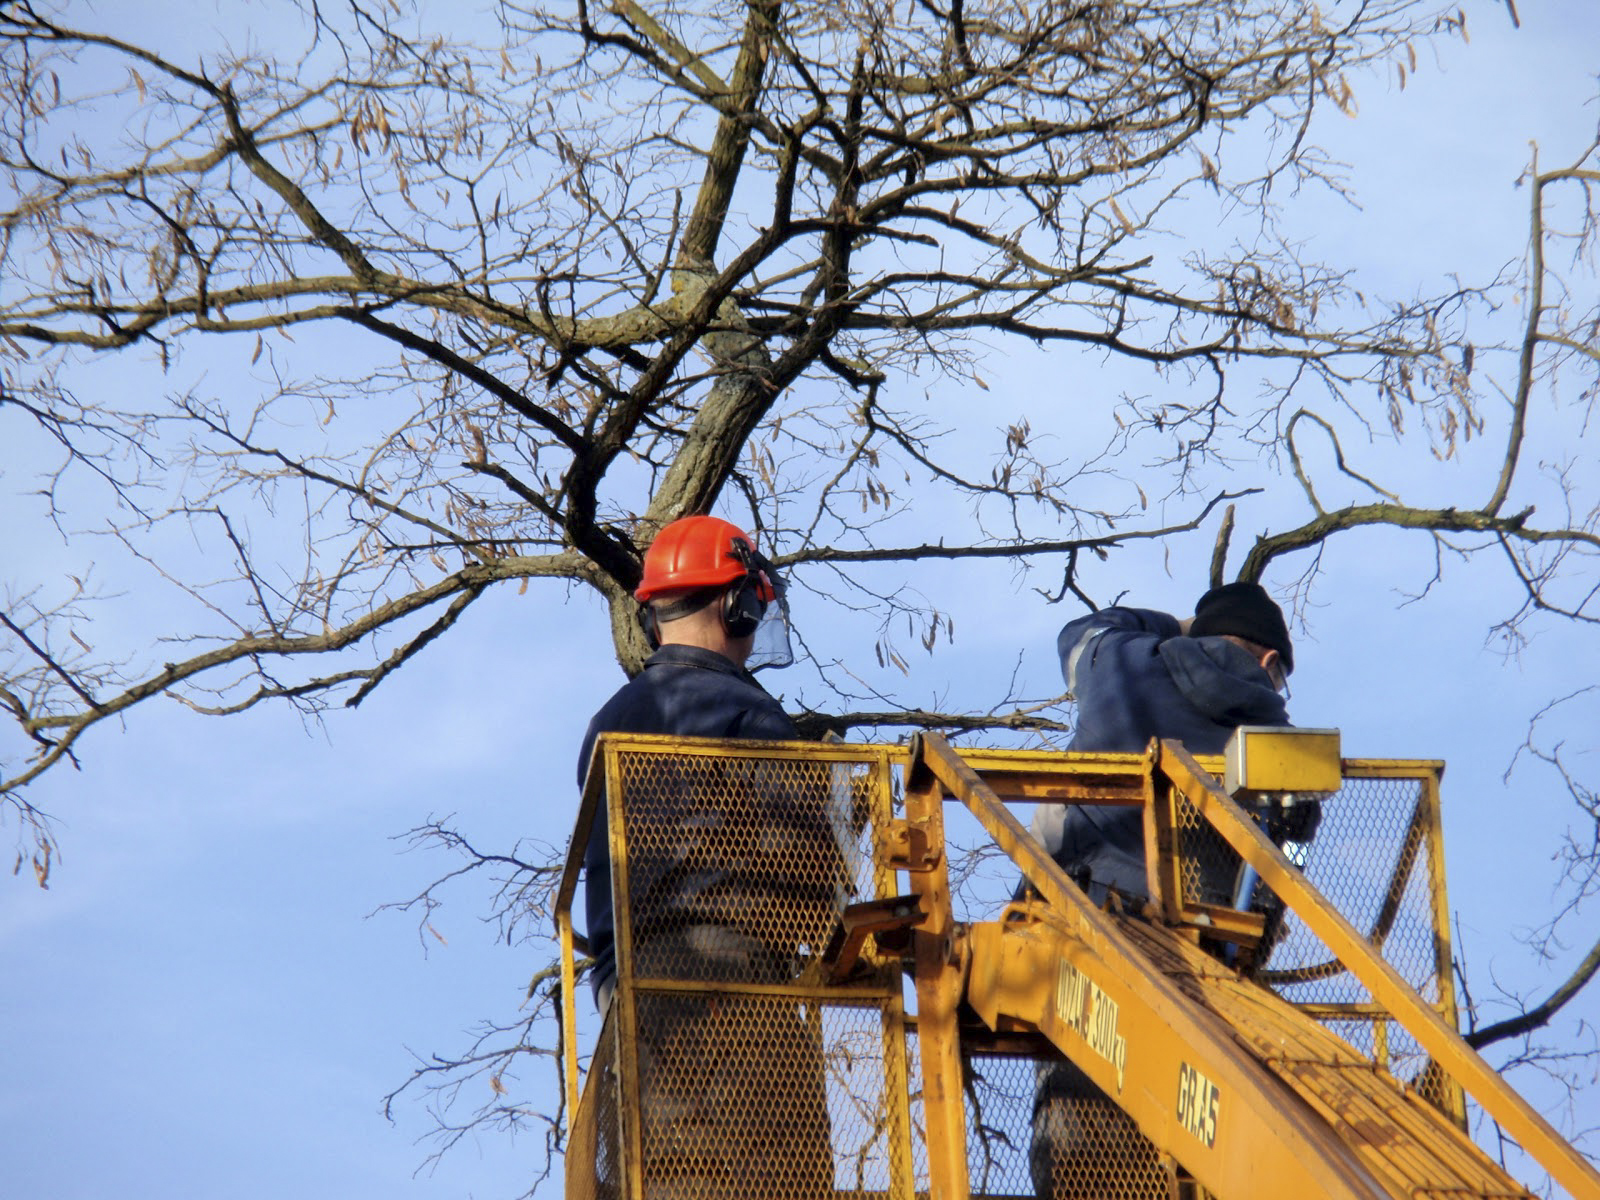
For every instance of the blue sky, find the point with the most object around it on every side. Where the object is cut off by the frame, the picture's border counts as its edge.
(202, 1005)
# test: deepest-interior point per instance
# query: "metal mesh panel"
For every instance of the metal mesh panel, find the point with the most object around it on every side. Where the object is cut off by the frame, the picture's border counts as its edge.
(918, 1115)
(751, 1080)
(999, 1093)
(594, 1162)
(1031, 1133)
(1211, 870)
(1084, 1147)
(1207, 865)
(737, 867)
(732, 1097)
(768, 1097)
(866, 1079)
(1370, 859)
(1432, 1083)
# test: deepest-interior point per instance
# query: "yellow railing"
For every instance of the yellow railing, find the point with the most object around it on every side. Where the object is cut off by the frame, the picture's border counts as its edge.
(772, 898)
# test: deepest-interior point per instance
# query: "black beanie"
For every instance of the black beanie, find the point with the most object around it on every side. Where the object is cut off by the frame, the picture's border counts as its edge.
(1244, 610)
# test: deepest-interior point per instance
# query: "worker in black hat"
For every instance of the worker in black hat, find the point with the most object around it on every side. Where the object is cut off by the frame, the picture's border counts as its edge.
(1138, 674)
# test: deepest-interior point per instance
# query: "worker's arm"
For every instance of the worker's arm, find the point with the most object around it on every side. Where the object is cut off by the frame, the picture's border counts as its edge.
(1077, 638)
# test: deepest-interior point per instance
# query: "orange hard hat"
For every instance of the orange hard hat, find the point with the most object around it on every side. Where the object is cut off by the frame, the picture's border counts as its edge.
(696, 552)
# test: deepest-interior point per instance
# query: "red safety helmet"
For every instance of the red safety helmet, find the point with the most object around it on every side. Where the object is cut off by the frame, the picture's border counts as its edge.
(700, 552)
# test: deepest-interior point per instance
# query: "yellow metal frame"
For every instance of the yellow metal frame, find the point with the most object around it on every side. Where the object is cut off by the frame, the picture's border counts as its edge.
(1121, 998)
(605, 786)
(1079, 999)
(1447, 1048)
(937, 948)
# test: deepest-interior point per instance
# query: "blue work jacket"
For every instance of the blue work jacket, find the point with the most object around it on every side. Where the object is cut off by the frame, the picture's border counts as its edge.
(688, 692)
(1135, 677)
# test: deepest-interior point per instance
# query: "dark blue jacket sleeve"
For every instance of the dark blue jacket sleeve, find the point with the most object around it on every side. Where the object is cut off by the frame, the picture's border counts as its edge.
(1076, 637)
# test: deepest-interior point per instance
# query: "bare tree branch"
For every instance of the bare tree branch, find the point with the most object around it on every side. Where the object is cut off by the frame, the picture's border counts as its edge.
(1540, 1014)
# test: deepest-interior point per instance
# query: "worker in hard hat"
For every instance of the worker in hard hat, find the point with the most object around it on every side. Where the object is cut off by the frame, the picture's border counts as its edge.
(1138, 674)
(705, 596)
(732, 874)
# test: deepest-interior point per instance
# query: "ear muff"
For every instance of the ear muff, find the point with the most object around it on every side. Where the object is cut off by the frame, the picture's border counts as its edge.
(651, 625)
(745, 602)
(743, 606)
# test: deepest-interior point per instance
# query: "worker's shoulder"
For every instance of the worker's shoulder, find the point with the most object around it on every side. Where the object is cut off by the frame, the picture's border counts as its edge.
(1118, 619)
(701, 692)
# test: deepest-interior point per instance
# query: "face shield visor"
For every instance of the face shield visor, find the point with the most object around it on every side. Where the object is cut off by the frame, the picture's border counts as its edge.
(770, 647)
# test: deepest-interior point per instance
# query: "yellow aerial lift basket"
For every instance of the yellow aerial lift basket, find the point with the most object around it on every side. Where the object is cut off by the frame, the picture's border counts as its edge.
(805, 1007)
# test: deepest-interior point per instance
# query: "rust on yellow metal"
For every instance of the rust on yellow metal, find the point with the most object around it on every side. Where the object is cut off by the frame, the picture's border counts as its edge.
(890, 919)
(911, 846)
